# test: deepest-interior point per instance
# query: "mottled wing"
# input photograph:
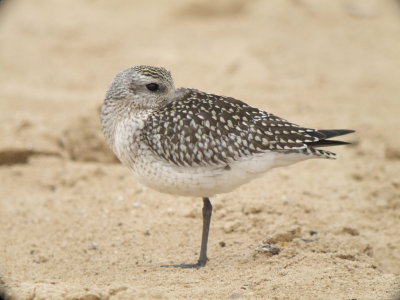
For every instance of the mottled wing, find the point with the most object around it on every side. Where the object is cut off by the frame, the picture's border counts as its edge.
(204, 129)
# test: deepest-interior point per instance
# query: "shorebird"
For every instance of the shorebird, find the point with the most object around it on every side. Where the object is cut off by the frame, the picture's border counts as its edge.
(187, 142)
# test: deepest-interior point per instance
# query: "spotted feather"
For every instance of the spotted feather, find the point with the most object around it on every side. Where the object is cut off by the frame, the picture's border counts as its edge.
(201, 129)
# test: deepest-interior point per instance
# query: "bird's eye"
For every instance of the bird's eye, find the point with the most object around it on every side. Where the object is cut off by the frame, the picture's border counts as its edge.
(152, 87)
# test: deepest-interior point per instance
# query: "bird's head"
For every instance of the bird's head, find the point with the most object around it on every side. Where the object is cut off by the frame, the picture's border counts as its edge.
(141, 87)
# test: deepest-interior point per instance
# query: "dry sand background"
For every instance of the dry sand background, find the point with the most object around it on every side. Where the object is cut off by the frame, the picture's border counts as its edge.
(75, 225)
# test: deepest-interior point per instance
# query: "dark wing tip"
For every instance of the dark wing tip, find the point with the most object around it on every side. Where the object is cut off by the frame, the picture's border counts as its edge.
(330, 133)
(325, 134)
(327, 143)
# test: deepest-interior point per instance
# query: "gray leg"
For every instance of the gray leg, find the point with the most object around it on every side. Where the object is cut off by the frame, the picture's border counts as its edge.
(207, 212)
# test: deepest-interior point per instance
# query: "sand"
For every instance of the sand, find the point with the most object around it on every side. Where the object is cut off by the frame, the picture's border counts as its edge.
(74, 224)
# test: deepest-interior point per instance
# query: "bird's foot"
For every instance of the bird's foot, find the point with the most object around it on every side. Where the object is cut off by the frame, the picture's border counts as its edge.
(198, 265)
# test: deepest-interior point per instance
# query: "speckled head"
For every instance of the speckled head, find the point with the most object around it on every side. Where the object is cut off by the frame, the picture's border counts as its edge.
(141, 86)
(157, 73)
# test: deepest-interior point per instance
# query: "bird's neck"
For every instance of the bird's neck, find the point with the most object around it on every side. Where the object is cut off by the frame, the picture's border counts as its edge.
(116, 115)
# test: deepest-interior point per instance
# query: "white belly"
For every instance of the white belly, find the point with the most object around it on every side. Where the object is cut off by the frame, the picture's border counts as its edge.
(205, 181)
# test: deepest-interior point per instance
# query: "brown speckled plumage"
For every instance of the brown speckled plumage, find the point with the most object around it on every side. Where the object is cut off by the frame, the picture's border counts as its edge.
(205, 129)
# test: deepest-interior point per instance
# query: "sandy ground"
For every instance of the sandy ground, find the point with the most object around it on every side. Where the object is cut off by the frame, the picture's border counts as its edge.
(75, 225)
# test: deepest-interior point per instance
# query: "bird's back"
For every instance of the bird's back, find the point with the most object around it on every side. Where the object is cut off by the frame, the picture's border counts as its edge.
(200, 129)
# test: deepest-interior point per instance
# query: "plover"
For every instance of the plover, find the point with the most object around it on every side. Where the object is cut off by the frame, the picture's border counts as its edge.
(187, 142)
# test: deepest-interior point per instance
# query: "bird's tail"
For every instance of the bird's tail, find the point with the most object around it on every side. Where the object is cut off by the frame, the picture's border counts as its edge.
(323, 137)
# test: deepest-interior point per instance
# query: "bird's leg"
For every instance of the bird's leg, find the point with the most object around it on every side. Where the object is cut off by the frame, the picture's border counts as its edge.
(207, 212)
